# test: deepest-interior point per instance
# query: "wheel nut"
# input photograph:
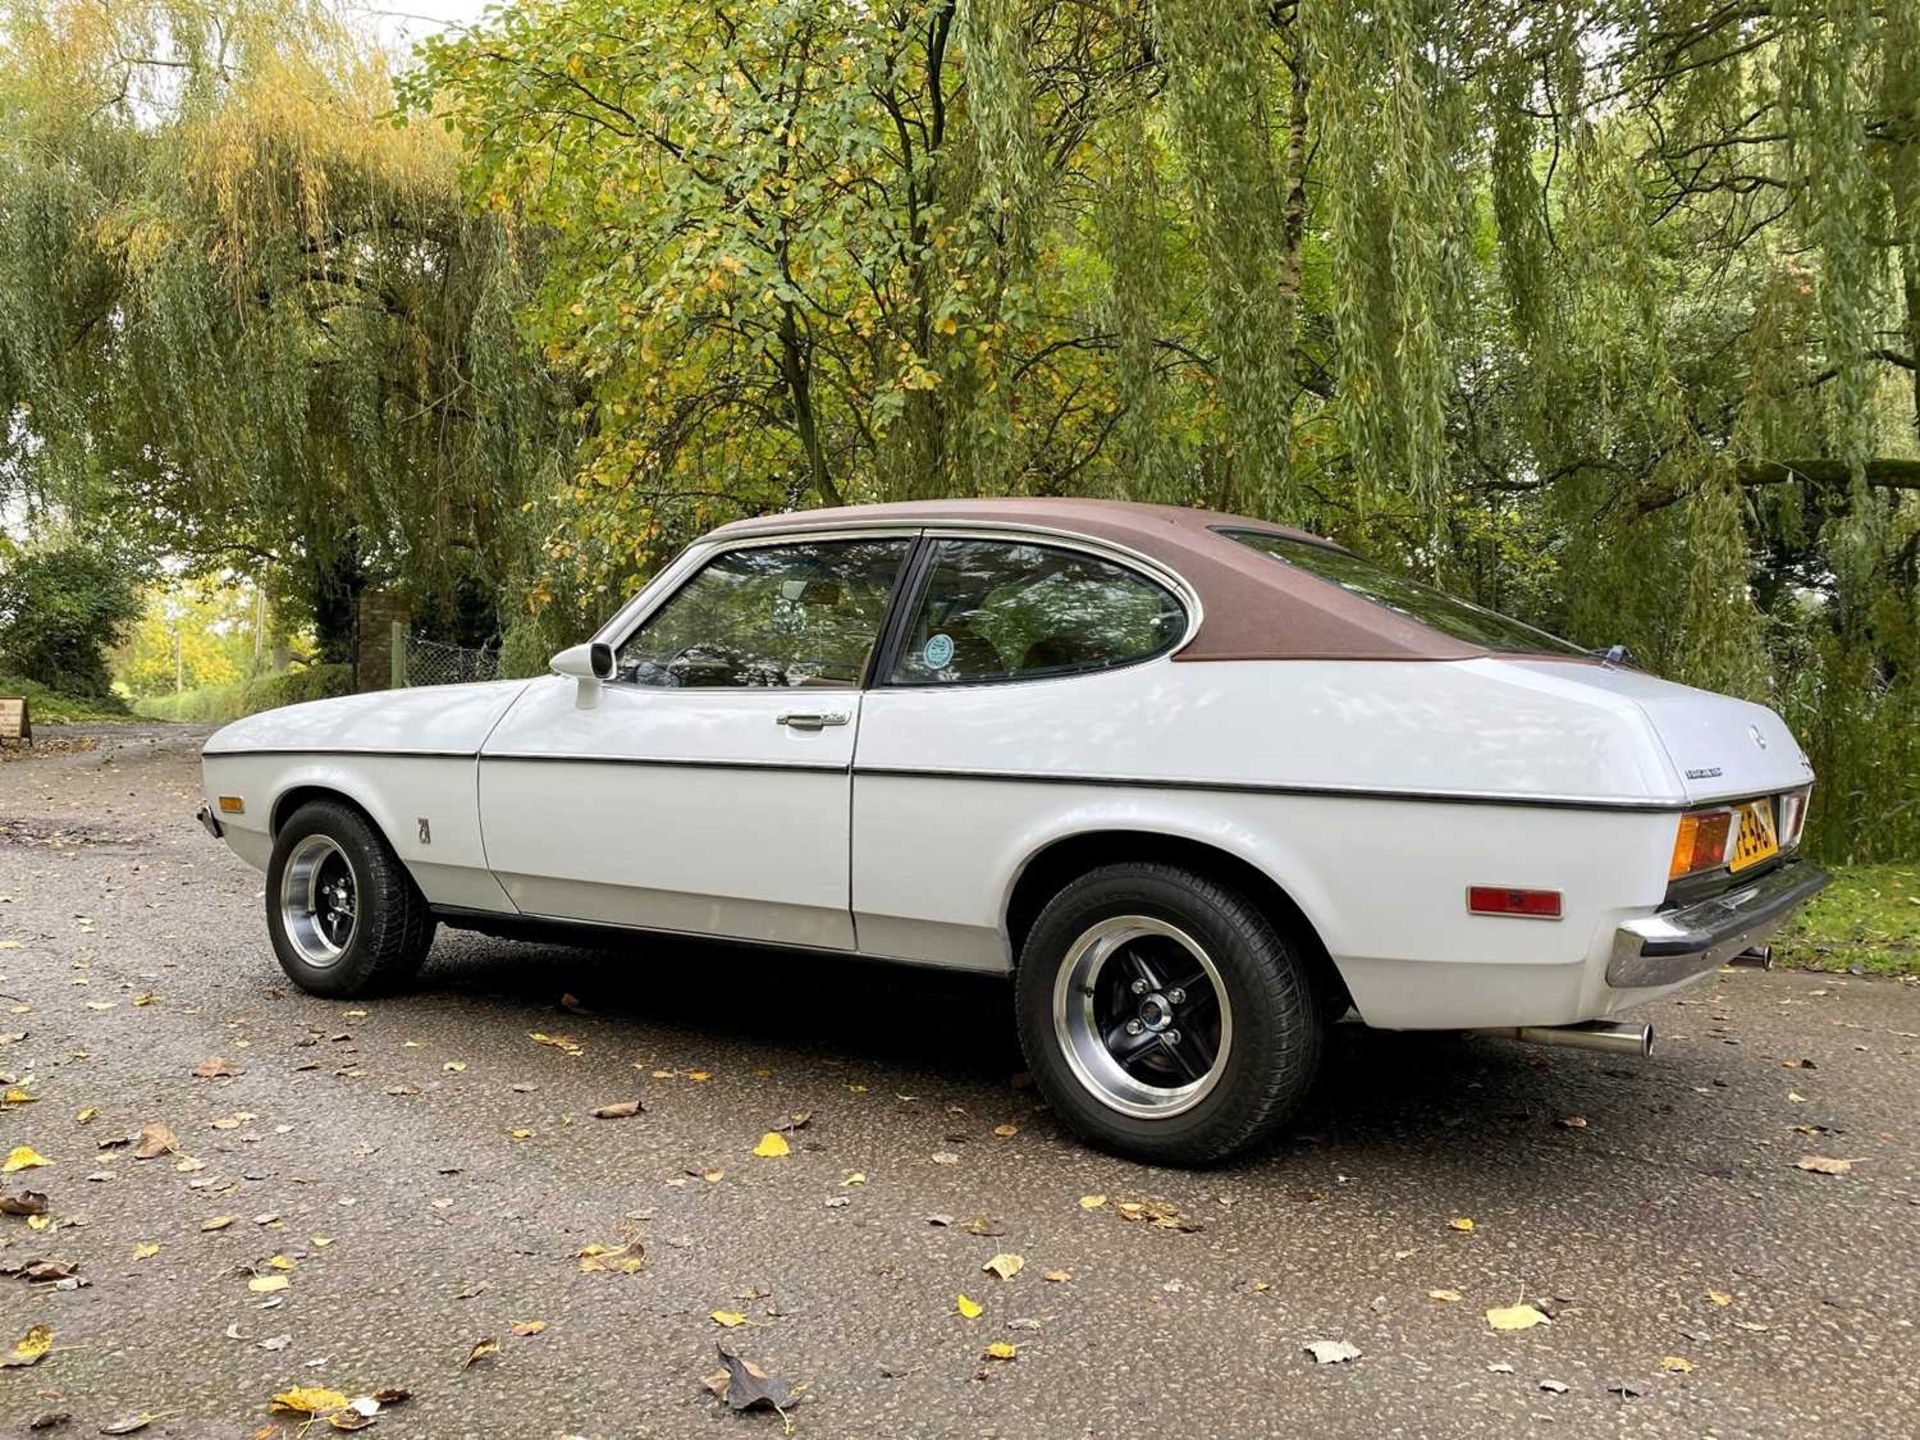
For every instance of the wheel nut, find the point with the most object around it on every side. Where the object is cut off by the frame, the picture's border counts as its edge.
(1176, 996)
(1134, 1027)
(1139, 987)
(1173, 1037)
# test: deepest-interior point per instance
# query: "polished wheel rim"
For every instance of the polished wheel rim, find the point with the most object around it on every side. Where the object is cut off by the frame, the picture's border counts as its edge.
(1142, 1016)
(318, 900)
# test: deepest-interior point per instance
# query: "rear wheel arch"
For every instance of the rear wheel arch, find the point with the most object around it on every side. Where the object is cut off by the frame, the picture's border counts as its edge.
(1062, 861)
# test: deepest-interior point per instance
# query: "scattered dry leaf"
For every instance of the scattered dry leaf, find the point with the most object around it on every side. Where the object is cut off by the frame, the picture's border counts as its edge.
(213, 1069)
(1446, 1297)
(1515, 1317)
(743, 1385)
(1005, 1266)
(1679, 1364)
(1001, 1350)
(23, 1202)
(30, 1349)
(1824, 1164)
(1092, 1202)
(218, 1222)
(155, 1140)
(969, 1309)
(22, 1157)
(728, 1318)
(268, 1284)
(146, 1249)
(308, 1400)
(1332, 1352)
(619, 1111)
(1462, 1223)
(482, 1348)
(524, 1328)
(624, 1259)
(772, 1145)
(1056, 1277)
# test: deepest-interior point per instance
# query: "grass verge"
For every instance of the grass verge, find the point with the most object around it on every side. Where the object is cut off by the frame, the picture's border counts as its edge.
(1866, 922)
(216, 704)
(51, 707)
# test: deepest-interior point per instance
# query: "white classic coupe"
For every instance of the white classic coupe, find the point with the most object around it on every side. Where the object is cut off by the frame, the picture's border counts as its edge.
(1199, 783)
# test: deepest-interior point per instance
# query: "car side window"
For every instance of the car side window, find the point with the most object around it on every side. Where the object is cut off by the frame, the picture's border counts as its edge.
(805, 614)
(999, 610)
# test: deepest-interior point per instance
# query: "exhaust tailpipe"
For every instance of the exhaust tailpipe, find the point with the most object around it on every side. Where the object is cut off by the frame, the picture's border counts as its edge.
(1607, 1035)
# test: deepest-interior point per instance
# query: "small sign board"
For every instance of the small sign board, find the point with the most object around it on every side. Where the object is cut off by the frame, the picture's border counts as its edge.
(14, 723)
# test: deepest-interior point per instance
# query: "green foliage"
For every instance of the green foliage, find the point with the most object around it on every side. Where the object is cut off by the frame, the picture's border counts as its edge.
(62, 607)
(243, 317)
(1869, 919)
(53, 707)
(190, 636)
(218, 704)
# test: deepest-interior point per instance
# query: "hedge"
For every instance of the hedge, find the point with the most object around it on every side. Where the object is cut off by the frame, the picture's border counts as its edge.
(216, 704)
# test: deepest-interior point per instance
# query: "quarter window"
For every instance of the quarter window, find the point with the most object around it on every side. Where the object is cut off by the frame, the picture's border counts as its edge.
(770, 615)
(994, 610)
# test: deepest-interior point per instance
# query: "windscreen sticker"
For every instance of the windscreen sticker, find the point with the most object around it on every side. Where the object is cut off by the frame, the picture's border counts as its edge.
(937, 652)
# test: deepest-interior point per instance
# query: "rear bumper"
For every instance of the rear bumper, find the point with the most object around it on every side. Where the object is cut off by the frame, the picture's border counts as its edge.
(1674, 945)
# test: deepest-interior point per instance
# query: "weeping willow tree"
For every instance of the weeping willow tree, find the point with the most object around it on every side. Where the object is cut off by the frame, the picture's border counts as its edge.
(1607, 313)
(245, 319)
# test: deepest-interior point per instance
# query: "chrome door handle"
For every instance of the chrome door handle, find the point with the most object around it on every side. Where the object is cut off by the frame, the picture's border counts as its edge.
(812, 720)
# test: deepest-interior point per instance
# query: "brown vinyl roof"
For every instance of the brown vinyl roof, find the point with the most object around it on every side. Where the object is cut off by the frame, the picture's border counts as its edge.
(1254, 607)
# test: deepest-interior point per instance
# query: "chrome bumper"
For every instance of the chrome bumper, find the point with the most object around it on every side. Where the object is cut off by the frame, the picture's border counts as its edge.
(1675, 945)
(207, 823)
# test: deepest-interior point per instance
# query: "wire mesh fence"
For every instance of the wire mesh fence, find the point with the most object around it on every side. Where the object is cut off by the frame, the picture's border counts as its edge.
(428, 662)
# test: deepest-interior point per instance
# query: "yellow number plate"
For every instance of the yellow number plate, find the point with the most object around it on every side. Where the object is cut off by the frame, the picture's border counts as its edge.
(1758, 840)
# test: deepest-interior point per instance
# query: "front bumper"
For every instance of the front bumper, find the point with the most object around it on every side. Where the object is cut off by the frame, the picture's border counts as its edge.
(205, 816)
(1675, 945)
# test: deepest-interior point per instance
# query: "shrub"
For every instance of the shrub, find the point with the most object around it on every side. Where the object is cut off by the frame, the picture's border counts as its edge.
(61, 609)
(217, 704)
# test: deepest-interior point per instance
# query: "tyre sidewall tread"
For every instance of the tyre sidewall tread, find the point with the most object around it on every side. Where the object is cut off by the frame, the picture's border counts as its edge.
(393, 925)
(1278, 1028)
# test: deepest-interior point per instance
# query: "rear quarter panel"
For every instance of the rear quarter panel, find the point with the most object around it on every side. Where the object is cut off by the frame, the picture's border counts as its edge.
(955, 790)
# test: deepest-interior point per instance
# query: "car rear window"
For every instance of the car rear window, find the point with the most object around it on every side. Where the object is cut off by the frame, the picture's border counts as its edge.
(1437, 610)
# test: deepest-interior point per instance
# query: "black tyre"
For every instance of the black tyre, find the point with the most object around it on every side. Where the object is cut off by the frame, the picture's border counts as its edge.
(1165, 1016)
(345, 917)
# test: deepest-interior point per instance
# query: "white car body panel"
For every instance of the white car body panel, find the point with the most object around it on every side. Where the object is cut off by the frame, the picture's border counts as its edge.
(1372, 792)
(697, 811)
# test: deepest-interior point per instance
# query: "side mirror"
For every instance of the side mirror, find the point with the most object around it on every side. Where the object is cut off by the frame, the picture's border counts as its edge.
(592, 661)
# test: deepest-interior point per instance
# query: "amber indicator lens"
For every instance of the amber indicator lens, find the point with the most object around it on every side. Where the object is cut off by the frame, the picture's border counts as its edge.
(232, 805)
(1701, 843)
(1500, 900)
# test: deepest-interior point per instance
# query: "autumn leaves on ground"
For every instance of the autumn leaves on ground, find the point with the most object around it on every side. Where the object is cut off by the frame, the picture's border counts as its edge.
(674, 1190)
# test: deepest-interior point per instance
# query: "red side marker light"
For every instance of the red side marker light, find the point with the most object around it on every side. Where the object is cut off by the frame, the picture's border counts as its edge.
(1499, 900)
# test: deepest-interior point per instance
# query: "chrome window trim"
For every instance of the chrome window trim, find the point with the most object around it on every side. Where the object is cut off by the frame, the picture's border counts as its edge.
(655, 595)
(668, 583)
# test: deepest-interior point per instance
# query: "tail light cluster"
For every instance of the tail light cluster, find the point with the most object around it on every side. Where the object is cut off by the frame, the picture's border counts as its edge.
(1707, 839)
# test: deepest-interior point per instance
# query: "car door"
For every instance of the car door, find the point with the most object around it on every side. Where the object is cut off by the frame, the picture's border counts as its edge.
(1017, 662)
(705, 786)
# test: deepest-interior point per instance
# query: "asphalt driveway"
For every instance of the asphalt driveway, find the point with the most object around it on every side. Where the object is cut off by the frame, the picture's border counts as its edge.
(404, 1180)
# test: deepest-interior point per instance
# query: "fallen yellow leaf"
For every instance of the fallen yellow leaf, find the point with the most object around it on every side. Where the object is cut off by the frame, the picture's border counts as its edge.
(528, 1327)
(17, 1096)
(283, 1262)
(481, 1349)
(1092, 1202)
(454, 1067)
(969, 1309)
(1006, 1132)
(728, 1318)
(29, 1349)
(1445, 1296)
(1056, 1277)
(613, 1260)
(1824, 1164)
(1005, 1266)
(22, 1157)
(1718, 1298)
(1001, 1350)
(218, 1222)
(308, 1400)
(146, 1250)
(268, 1284)
(1515, 1317)
(1463, 1223)
(1677, 1363)
(854, 1177)
(39, 1222)
(772, 1146)
(699, 1077)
